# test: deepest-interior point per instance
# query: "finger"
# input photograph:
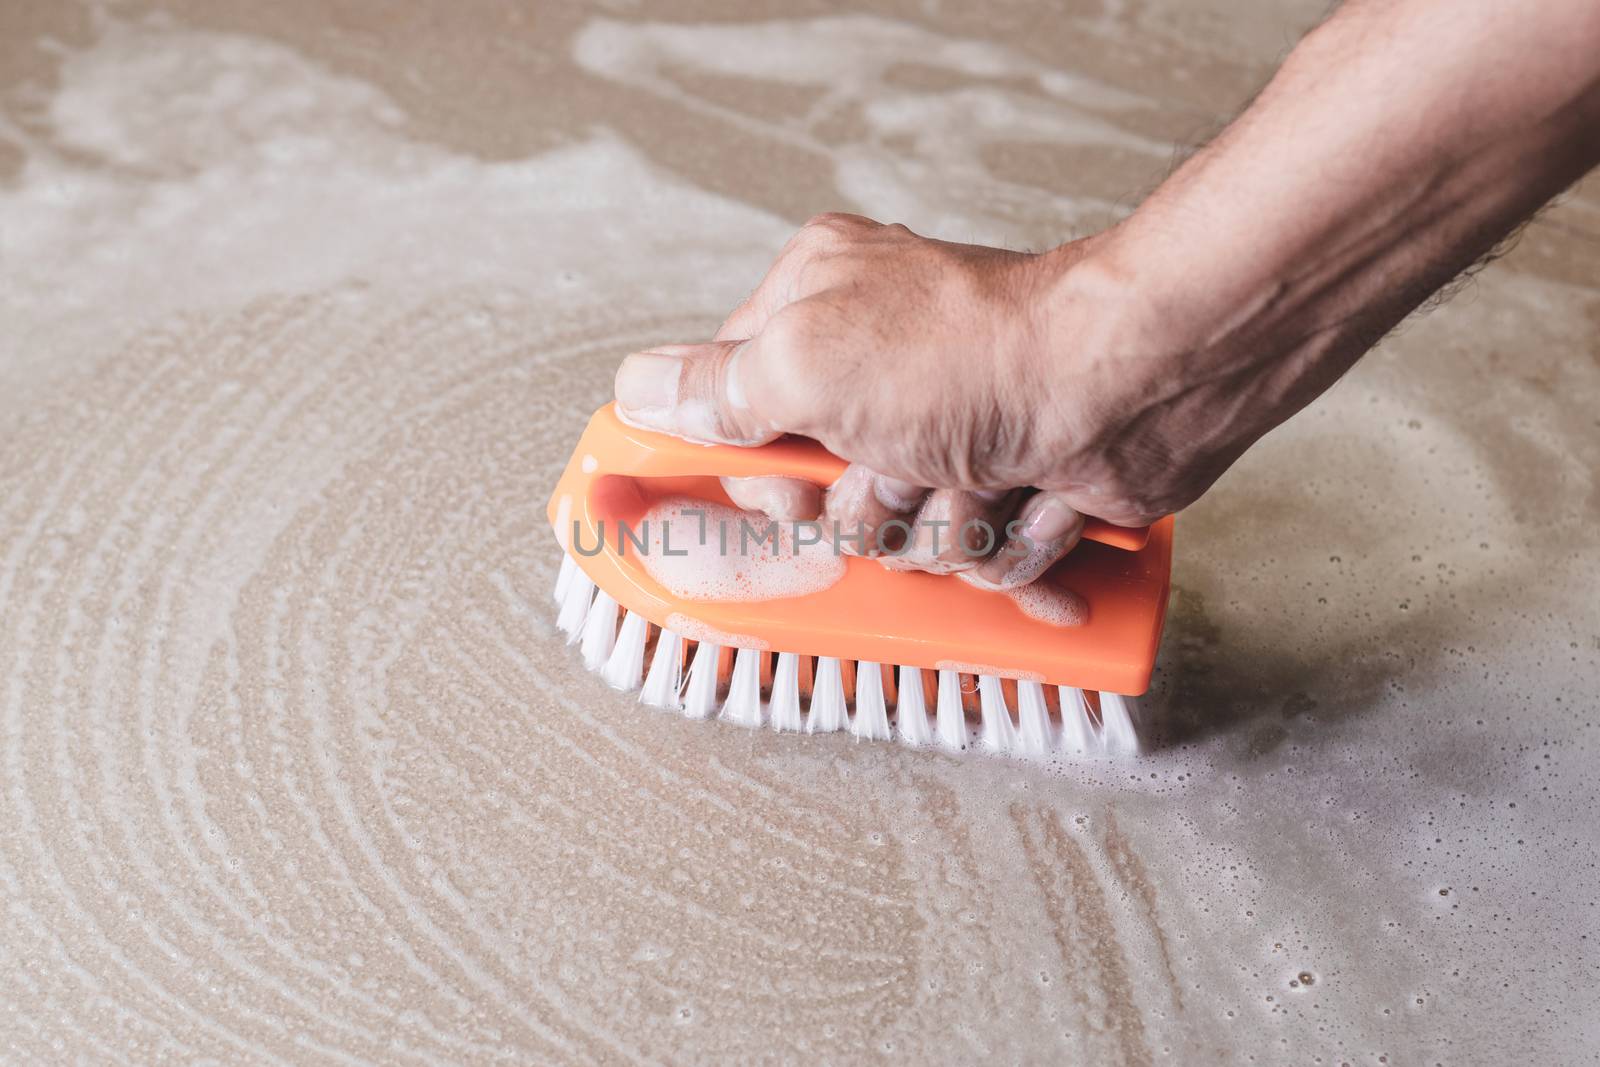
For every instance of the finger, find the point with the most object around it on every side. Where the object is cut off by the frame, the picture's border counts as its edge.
(1045, 529)
(873, 512)
(784, 499)
(957, 530)
(715, 392)
(775, 292)
(782, 284)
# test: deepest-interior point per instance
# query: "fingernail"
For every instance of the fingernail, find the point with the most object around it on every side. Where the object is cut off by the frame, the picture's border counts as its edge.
(1046, 524)
(647, 384)
(1049, 519)
(895, 494)
(990, 496)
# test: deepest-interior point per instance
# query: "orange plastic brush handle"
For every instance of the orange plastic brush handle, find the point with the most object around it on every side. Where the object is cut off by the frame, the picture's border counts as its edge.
(648, 454)
(618, 473)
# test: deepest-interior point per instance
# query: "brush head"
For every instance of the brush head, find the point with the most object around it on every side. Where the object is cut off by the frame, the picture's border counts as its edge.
(788, 691)
(713, 611)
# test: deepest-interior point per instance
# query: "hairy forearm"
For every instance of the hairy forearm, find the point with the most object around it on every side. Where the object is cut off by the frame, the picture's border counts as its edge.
(1398, 144)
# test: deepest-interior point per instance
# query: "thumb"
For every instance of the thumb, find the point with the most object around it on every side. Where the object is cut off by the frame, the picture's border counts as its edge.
(711, 393)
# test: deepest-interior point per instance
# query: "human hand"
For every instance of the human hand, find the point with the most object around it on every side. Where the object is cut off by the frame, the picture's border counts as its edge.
(943, 372)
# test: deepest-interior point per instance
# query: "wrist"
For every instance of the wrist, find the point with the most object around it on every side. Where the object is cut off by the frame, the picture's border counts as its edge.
(1106, 338)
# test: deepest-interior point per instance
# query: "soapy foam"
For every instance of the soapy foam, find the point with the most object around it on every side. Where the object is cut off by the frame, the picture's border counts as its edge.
(695, 630)
(1047, 602)
(983, 668)
(732, 565)
(1037, 557)
(851, 62)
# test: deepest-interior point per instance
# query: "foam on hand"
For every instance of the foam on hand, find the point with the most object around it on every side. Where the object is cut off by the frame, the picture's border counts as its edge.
(1050, 603)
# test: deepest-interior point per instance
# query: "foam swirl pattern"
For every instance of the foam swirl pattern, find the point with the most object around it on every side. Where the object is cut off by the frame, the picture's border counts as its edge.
(296, 328)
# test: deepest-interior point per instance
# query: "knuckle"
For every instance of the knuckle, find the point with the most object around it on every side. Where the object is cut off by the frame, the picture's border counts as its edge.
(825, 267)
(1134, 512)
(832, 229)
(831, 220)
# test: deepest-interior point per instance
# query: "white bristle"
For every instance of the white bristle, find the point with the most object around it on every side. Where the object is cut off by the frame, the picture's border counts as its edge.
(1117, 714)
(575, 606)
(700, 695)
(626, 661)
(743, 705)
(828, 710)
(599, 631)
(1077, 729)
(665, 680)
(872, 714)
(911, 711)
(785, 703)
(998, 733)
(589, 616)
(1036, 735)
(950, 719)
(569, 567)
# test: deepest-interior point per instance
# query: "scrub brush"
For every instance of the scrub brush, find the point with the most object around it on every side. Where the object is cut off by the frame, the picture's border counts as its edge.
(926, 659)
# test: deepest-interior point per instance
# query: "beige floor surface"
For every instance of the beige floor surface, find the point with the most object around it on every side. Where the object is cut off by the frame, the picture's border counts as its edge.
(301, 306)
